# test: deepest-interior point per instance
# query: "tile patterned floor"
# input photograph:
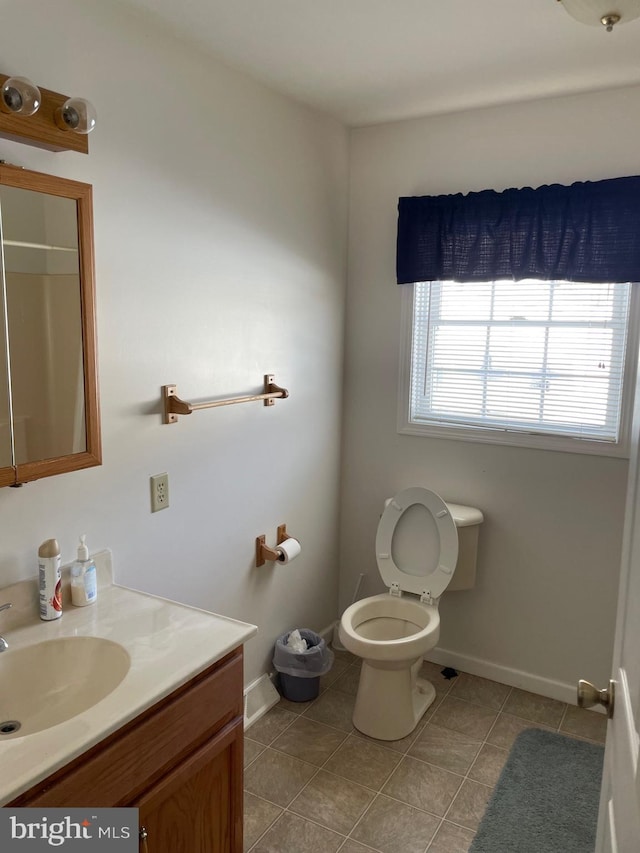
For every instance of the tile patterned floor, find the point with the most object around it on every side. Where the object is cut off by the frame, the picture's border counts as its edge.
(313, 784)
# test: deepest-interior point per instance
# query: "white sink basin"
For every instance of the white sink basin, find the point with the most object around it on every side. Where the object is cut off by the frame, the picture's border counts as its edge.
(48, 683)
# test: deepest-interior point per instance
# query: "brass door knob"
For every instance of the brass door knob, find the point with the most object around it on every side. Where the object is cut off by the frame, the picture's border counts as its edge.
(143, 835)
(588, 696)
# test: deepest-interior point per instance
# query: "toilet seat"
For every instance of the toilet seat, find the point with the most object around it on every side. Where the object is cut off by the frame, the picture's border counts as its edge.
(432, 582)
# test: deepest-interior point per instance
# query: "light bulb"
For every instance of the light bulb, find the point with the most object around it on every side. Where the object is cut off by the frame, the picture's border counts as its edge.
(76, 114)
(20, 96)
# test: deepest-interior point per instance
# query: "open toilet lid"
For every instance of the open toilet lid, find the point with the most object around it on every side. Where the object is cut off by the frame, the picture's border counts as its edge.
(436, 577)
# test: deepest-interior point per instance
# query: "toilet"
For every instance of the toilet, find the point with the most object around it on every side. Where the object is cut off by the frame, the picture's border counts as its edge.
(423, 546)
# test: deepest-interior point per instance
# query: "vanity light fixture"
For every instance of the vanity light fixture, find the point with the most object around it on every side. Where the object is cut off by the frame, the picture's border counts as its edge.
(76, 114)
(604, 13)
(44, 118)
(20, 96)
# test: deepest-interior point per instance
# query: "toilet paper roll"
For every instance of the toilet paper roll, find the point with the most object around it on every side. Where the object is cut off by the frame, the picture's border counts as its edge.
(288, 550)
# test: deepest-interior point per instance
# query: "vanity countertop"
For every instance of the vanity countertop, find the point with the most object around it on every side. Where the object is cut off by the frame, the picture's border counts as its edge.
(168, 644)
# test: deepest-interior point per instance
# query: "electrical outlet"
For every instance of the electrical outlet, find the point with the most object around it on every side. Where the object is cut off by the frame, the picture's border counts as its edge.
(159, 492)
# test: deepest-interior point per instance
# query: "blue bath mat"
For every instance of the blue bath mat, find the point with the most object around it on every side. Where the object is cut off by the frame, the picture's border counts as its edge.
(546, 800)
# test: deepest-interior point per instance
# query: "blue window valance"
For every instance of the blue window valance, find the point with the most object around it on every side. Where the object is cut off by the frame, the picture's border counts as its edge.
(584, 232)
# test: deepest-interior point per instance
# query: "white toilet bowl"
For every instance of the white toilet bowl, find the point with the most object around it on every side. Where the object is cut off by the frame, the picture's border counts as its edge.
(392, 632)
(391, 635)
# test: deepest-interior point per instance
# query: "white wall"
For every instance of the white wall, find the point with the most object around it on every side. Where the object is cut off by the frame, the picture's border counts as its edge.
(220, 230)
(550, 546)
(220, 214)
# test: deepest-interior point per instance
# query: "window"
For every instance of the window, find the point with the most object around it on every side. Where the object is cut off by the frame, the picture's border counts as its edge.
(534, 363)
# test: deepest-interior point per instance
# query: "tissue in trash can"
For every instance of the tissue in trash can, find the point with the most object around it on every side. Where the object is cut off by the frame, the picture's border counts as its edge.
(295, 642)
(289, 656)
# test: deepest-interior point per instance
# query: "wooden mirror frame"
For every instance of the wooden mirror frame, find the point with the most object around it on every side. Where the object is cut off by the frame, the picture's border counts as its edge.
(16, 475)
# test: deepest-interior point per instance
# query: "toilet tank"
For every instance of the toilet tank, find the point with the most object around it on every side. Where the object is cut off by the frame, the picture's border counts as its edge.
(468, 520)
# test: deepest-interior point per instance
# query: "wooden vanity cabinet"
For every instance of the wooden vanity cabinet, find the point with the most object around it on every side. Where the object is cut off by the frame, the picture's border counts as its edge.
(176, 813)
(180, 763)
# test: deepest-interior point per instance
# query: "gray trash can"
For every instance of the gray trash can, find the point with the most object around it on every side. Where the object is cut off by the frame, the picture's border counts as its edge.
(300, 672)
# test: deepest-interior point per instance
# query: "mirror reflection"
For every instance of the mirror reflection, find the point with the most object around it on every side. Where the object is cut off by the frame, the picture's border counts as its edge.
(6, 437)
(42, 281)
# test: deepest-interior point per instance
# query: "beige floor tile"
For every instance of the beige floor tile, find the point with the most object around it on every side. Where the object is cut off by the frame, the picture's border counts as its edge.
(488, 765)
(464, 717)
(401, 745)
(334, 709)
(451, 839)
(271, 725)
(296, 707)
(428, 714)
(479, 690)
(251, 750)
(583, 723)
(445, 748)
(538, 709)
(293, 834)
(433, 673)
(351, 846)
(393, 827)
(363, 761)
(333, 802)
(349, 680)
(308, 759)
(277, 777)
(507, 729)
(469, 804)
(423, 785)
(309, 741)
(339, 668)
(258, 817)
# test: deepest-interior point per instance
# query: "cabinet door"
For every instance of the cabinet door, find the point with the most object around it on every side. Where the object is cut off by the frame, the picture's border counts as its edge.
(197, 807)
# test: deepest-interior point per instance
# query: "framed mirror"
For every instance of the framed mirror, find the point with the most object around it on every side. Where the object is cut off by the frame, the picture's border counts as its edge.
(49, 409)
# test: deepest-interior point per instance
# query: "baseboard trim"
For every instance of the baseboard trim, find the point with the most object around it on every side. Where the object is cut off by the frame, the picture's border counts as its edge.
(327, 633)
(505, 675)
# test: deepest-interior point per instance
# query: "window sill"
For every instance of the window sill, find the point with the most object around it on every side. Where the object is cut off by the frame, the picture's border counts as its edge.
(560, 444)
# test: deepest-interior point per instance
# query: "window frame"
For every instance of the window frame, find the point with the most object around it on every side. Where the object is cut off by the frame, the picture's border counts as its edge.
(488, 435)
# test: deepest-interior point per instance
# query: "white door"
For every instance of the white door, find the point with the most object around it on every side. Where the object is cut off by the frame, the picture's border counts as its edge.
(619, 818)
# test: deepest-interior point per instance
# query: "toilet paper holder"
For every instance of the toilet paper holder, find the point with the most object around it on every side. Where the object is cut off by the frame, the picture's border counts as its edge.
(263, 552)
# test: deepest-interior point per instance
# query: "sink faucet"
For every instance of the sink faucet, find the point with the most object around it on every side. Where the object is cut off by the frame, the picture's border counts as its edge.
(3, 643)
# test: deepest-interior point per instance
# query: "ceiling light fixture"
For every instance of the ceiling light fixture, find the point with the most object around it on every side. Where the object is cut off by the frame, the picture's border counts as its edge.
(603, 13)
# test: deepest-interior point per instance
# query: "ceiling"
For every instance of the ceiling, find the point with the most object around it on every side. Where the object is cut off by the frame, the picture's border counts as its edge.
(371, 61)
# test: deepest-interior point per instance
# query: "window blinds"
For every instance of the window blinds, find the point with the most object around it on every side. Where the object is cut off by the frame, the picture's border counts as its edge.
(532, 357)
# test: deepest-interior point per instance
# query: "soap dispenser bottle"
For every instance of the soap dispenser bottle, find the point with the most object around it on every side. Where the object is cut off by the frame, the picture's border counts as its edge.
(84, 584)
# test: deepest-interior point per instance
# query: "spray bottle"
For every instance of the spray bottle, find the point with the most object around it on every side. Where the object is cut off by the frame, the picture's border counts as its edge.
(50, 580)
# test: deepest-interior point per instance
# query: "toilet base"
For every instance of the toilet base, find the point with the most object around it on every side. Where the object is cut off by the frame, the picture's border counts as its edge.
(391, 702)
